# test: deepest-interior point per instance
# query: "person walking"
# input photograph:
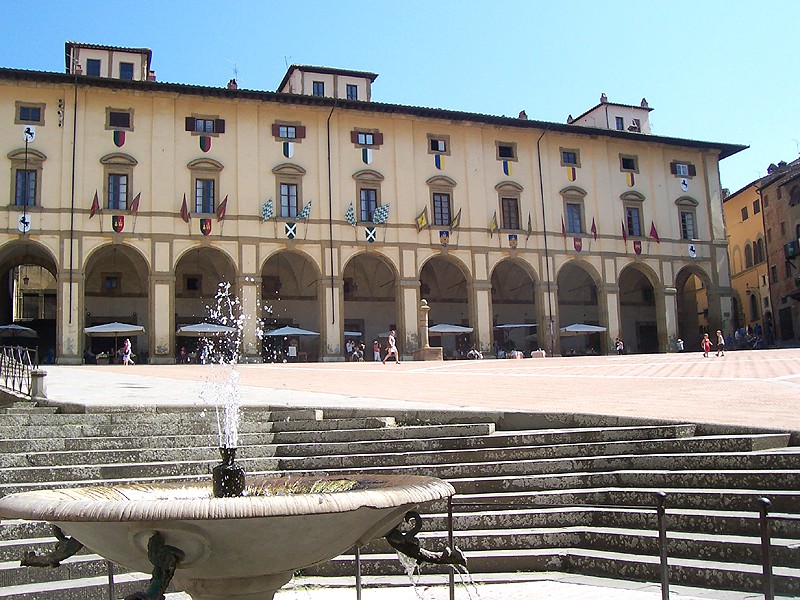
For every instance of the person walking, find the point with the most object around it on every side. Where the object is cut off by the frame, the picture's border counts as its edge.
(391, 348)
(376, 350)
(619, 346)
(720, 344)
(706, 344)
(126, 352)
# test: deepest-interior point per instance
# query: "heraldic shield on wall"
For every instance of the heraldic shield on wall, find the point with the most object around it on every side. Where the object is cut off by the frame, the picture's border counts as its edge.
(205, 226)
(118, 223)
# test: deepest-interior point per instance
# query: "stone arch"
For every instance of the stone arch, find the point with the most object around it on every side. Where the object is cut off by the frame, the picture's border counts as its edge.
(691, 285)
(441, 181)
(506, 186)
(371, 296)
(748, 255)
(446, 284)
(517, 299)
(207, 164)
(368, 175)
(641, 309)
(579, 301)
(737, 259)
(119, 158)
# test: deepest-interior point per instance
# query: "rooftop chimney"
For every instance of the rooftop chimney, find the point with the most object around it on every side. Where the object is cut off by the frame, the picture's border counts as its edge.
(232, 85)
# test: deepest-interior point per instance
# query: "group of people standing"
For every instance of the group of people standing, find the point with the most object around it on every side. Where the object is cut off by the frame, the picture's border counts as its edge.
(707, 344)
(356, 350)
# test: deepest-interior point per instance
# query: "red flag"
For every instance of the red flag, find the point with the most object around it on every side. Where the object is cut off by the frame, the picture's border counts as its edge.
(563, 228)
(134, 208)
(624, 233)
(594, 229)
(222, 208)
(653, 232)
(95, 206)
(185, 211)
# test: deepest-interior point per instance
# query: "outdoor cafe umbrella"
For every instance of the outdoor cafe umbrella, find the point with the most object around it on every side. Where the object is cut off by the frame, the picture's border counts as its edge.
(13, 330)
(446, 328)
(287, 331)
(581, 328)
(204, 329)
(113, 330)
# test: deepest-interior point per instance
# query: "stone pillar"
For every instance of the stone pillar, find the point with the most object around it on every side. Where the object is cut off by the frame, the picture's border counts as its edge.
(250, 300)
(71, 318)
(482, 319)
(425, 352)
(611, 294)
(408, 337)
(332, 325)
(38, 387)
(670, 312)
(161, 328)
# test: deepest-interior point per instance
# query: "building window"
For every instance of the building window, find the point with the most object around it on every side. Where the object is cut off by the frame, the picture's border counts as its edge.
(286, 131)
(758, 251)
(368, 202)
(31, 113)
(118, 179)
(628, 163)
(117, 191)
(773, 274)
(633, 220)
(765, 200)
(620, 123)
(205, 174)
(744, 213)
(794, 197)
(783, 229)
(570, 157)
(769, 235)
(366, 138)
(509, 212)
(289, 200)
(205, 125)
(682, 169)
(25, 188)
(438, 144)
(318, 88)
(352, 92)
(289, 189)
(193, 284)
(441, 209)
(756, 207)
(204, 198)
(119, 119)
(635, 125)
(506, 150)
(574, 217)
(748, 256)
(112, 283)
(753, 307)
(93, 67)
(126, 70)
(688, 230)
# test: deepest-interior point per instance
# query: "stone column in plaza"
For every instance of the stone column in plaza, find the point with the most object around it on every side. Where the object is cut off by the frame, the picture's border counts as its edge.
(249, 291)
(332, 324)
(611, 294)
(482, 319)
(71, 317)
(408, 337)
(161, 328)
(425, 351)
(670, 312)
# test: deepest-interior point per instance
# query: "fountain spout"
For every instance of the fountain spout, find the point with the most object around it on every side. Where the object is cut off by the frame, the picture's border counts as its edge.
(403, 539)
(228, 477)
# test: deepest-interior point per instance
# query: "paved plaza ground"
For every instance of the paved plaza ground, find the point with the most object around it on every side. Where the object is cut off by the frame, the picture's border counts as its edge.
(748, 388)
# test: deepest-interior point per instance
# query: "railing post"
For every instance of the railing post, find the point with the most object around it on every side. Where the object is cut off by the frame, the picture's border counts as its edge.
(450, 540)
(662, 543)
(766, 556)
(38, 388)
(111, 593)
(358, 573)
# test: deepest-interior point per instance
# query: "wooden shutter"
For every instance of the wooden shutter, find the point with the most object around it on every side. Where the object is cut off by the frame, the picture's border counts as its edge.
(276, 130)
(190, 124)
(673, 168)
(354, 137)
(377, 138)
(219, 125)
(300, 132)
(692, 170)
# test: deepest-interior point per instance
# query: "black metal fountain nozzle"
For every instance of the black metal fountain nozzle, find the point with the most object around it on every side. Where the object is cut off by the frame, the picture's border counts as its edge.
(227, 476)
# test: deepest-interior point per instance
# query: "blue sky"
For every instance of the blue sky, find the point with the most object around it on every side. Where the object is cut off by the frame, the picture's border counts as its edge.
(722, 71)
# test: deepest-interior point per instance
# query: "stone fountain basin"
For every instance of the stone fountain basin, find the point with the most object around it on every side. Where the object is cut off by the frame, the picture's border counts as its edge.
(275, 529)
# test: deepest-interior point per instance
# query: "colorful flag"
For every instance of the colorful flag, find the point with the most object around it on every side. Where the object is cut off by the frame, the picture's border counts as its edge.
(350, 215)
(422, 219)
(306, 212)
(456, 221)
(134, 207)
(653, 232)
(493, 225)
(563, 228)
(594, 230)
(222, 209)
(95, 206)
(267, 210)
(185, 211)
(380, 214)
(624, 233)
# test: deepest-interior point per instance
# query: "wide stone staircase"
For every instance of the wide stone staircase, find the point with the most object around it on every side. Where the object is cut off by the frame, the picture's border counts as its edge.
(566, 493)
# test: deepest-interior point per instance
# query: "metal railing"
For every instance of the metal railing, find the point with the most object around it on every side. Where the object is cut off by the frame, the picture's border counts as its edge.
(16, 365)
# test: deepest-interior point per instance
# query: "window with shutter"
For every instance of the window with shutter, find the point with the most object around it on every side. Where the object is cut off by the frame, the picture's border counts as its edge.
(366, 138)
(205, 125)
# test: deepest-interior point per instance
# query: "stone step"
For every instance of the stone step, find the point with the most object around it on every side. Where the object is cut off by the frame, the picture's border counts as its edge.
(89, 588)
(75, 567)
(27, 411)
(463, 448)
(200, 414)
(512, 462)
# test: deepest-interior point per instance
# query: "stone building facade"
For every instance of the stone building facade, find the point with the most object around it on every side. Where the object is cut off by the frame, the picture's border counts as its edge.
(132, 200)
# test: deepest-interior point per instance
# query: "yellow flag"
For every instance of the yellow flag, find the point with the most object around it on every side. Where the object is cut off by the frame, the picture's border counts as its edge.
(422, 219)
(493, 224)
(456, 221)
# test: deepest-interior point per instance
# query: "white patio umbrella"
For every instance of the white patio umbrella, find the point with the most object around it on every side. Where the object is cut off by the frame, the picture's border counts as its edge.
(204, 329)
(12, 330)
(287, 331)
(113, 330)
(446, 328)
(581, 329)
